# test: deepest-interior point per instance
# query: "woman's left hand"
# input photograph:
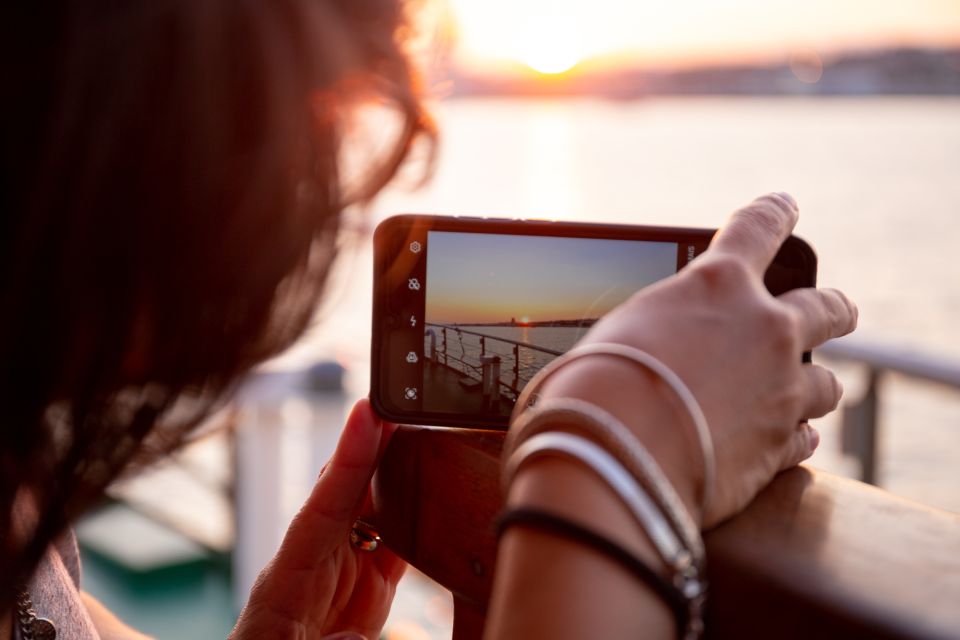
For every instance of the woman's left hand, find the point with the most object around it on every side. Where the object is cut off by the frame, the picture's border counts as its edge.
(318, 583)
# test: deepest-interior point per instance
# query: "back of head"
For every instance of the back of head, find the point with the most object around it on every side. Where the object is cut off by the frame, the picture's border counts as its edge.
(171, 197)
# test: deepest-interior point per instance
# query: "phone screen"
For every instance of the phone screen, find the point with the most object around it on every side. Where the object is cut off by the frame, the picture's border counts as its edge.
(498, 308)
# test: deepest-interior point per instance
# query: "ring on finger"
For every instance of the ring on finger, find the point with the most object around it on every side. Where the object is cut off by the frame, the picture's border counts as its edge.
(364, 537)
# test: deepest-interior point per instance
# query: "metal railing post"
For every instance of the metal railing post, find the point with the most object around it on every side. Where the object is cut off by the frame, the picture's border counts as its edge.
(490, 383)
(861, 419)
(859, 429)
(516, 365)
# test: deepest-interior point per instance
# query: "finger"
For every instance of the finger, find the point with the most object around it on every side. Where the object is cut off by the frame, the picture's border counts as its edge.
(824, 314)
(390, 565)
(329, 512)
(822, 391)
(755, 232)
(366, 610)
(800, 446)
(387, 430)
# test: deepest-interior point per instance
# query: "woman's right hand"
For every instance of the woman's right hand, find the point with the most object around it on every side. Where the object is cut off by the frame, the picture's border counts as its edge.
(737, 348)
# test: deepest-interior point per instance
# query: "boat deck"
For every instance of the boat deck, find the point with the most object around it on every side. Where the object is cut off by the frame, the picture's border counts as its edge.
(449, 391)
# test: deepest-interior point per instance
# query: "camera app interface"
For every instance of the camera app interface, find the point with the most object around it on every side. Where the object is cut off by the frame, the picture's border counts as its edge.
(488, 311)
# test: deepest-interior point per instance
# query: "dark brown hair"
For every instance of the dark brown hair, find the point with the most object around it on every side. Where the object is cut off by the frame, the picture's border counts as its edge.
(171, 199)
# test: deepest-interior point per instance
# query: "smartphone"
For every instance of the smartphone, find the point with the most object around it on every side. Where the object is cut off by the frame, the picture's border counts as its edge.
(466, 310)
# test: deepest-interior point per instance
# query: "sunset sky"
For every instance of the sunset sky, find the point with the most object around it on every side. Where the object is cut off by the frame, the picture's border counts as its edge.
(493, 278)
(553, 35)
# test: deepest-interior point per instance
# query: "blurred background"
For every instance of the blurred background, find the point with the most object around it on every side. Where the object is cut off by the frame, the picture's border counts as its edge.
(643, 112)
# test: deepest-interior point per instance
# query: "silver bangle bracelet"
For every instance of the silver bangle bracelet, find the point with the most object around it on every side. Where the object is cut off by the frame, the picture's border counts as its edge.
(597, 460)
(596, 424)
(687, 576)
(527, 398)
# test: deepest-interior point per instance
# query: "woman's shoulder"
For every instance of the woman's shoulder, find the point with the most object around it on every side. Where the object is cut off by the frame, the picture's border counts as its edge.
(68, 550)
(54, 590)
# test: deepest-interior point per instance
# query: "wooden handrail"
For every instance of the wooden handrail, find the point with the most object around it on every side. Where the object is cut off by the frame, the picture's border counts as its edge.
(813, 556)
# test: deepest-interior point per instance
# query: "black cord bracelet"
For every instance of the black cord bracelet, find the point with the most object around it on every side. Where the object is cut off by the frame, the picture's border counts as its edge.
(551, 523)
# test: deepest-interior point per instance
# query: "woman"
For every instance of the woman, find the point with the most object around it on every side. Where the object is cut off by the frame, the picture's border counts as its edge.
(172, 192)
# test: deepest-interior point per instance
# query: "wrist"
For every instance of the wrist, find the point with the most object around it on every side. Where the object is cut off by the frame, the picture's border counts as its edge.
(569, 589)
(648, 407)
(568, 490)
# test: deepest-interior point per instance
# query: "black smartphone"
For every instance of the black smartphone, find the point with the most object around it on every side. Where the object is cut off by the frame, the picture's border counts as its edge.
(467, 310)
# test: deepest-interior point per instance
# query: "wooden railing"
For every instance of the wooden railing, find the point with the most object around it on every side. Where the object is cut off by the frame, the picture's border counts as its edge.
(814, 556)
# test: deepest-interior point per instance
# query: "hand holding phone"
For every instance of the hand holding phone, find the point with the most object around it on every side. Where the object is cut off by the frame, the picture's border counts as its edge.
(738, 349)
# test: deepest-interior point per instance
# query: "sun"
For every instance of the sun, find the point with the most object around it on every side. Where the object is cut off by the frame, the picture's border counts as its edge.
(551, 49)
(546, 35)
(550, 60)
(524, 320)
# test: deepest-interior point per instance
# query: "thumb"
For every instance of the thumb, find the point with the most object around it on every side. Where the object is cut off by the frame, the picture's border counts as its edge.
(343, 486)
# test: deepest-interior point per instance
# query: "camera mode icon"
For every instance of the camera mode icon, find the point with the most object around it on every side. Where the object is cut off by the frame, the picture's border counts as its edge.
(412, 357)
(415, 247)
(413, 284)
(410, 393)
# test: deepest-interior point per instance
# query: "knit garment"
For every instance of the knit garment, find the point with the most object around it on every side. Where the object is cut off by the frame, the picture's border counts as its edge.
(55, 591)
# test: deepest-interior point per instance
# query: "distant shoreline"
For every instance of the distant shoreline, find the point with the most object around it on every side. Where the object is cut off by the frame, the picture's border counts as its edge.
(581, 322)
(874, 72)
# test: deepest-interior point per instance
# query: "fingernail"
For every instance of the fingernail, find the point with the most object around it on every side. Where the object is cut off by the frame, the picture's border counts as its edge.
(788, 198)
